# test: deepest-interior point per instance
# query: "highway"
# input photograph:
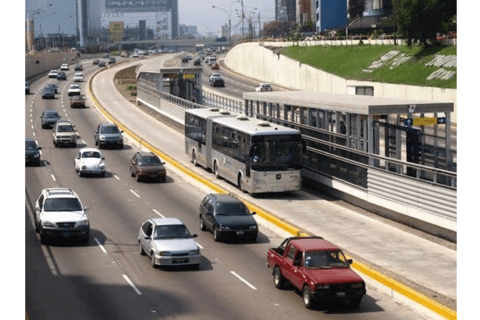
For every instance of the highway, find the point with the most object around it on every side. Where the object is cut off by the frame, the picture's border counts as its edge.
(108, 279)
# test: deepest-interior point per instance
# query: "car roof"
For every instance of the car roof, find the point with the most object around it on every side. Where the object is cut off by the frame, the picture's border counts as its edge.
(313, 244)
(60, 193)
(89, 149)
(166, 221)
(225, 198)
(147, 154)
(50, 111)
(109, 124)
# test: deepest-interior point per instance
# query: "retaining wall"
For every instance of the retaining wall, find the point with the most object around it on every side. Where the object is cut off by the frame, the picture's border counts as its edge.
(256, 61)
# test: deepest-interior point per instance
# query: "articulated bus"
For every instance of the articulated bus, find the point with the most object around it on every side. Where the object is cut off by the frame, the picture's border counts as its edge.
(255, 155)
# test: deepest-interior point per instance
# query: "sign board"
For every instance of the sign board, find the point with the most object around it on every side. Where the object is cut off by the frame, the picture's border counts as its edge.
(189, 76)
(441, 120)
(408, 122)
(424, 121)
(170, 75)
(115, 30)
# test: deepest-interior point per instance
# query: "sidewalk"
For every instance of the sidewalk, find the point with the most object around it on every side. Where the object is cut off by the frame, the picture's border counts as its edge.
(427, 267)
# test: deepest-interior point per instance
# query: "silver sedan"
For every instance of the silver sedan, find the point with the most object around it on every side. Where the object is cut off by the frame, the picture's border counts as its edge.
(168, 243)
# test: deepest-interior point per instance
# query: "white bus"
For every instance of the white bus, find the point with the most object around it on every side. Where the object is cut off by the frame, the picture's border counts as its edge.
(255, 155)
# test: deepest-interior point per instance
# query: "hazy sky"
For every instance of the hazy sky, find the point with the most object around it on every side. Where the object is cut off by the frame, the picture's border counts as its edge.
(191, 12)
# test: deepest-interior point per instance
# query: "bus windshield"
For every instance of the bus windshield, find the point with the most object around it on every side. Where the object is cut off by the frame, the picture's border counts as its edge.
(276, 153)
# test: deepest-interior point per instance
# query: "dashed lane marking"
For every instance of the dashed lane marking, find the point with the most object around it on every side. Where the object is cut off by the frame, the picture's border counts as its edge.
(134, 193)
(243, 280)
(161, 215)
(132, 284)
(100, 245)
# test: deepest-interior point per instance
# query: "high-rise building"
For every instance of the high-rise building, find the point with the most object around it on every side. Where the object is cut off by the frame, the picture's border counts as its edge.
(330, 14)
(305, 11)
(160, 16)
(88, 28)
(285, 10)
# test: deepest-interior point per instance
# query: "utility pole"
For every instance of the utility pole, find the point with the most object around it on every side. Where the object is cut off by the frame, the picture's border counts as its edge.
(243, 30)
(259, 27)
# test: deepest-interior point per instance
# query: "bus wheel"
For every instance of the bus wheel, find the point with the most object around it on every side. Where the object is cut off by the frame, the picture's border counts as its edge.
(215, 170)
(240, 184)
(194, 158)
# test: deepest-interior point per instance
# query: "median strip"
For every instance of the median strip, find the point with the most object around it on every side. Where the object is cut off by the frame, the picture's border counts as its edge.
(285, 225)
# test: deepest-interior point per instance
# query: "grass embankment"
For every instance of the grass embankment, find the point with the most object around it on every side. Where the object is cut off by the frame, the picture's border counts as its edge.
(349, 61)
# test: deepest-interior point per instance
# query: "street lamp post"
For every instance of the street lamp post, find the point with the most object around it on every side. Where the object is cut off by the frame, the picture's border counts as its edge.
(30, 24)
(229, 21)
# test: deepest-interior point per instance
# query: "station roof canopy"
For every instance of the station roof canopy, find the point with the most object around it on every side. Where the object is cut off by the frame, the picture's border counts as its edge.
(348, 103)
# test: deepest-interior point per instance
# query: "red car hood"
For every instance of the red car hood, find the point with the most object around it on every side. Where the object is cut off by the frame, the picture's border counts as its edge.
(333, 275)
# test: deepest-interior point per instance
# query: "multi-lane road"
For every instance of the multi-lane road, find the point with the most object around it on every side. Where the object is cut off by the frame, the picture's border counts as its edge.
(109, 279)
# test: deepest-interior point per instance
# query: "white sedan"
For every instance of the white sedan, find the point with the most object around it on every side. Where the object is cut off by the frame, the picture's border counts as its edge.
(90, 161)
(73, 90)
(263, 87)
(78, 77)
(64, 67)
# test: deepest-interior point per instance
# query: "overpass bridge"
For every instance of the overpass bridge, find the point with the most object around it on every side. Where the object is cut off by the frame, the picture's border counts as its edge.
(168, 43)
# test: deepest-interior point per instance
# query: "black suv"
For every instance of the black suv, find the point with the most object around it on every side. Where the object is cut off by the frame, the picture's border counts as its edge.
(61, 76)
(108, 134)
(49, 117)
(112, 60)
(227, 217)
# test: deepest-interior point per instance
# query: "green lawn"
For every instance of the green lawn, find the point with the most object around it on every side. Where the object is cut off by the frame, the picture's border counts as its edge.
(349, 61)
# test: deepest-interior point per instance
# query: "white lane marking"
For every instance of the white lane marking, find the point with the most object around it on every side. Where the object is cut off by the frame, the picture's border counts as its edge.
(31, 120)
(83, 141)
(131, 284)
(32, 127)
(40, 151)
(161, 215)
(134, 193)
(243, 280)
(100, 245)
(33, 133)
(116, 177)
(53, 177)
(198, 244)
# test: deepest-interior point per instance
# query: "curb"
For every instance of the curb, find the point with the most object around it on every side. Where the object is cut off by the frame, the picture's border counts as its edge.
(285, 225)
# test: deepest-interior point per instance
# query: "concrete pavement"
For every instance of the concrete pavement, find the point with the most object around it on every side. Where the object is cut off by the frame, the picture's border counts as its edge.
(426, 266)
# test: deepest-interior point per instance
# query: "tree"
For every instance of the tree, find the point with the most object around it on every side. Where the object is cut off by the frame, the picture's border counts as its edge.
(275, 28)
(420, 20)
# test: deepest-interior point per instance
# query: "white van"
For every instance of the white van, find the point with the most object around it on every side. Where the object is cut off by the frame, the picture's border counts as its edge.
(211, 60)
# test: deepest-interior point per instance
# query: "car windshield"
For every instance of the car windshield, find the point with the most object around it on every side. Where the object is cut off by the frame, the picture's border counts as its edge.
(325, 259)
(74, 87)
(91, 154)
(65, 129)
(276, 153)
(171, 232)
(30, 145)
(149, 161)
(231, 209)
(77, 98)
(51, 115)
(62, 204)
(109, 129)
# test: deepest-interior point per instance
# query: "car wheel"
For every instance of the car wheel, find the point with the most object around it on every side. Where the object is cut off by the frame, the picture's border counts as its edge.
(154, 265)
(240, 184)
(74, 144)
(102, 174)
(203, 227)
(194, 159)
(307, 297)
(131, 172)
(37, 230)
(278, 279)
(85, 239)
(355, 301)
(96, 142)
(142, 252)
(216, 234)
(120, 146)
(55, 144)
(80, 174)
(137, 177)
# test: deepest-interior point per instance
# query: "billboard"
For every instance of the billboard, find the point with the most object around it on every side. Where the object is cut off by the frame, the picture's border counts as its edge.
(137, 5)
(115, 30)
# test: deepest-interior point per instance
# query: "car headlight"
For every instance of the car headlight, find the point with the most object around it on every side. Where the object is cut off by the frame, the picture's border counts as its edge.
(165, 253)
(253, 227)
(36, 155)
(102, 165)
(83, 223)
(84, 167)
(46, 223)
(194, 252)
(102, 137)
(323, 287)
(358, 285)
(225, 228)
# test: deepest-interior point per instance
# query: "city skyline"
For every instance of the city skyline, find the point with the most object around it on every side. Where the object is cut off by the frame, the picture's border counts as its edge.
(60, 16)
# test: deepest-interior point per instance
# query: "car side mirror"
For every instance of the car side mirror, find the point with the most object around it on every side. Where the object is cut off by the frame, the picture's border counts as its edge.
(78, 157)
(86, 208)
(37, 209)
(194, 235)
(349, 261)
(253, 213)
(39, 148)
(163, 162)
(103, 158)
